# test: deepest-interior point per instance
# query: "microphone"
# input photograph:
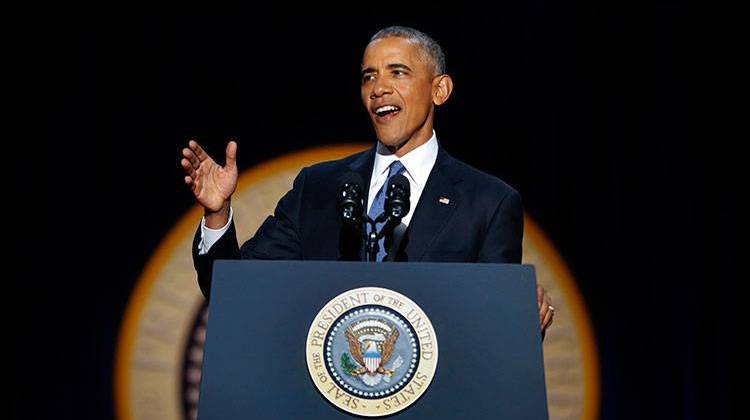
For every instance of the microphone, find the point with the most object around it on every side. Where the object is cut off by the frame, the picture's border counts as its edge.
(397, 201)
(351, 202)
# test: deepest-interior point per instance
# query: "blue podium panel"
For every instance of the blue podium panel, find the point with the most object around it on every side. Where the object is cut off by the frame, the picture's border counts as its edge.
(485, 317)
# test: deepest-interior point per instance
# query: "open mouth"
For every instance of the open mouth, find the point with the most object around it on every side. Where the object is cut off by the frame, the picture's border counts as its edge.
(386, 112)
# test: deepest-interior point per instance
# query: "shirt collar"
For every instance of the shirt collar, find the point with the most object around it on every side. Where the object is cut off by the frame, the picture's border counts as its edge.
(418, 162)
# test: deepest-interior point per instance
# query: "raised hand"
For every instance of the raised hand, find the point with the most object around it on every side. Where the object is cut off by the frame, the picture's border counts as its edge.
(211, 183)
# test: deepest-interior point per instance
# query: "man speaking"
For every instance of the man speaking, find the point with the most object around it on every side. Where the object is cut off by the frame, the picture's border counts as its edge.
(457, 213)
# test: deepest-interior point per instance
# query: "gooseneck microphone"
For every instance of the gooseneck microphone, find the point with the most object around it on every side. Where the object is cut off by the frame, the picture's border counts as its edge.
(350, 206)
(351, 202)
(397, 204)
(397, 201)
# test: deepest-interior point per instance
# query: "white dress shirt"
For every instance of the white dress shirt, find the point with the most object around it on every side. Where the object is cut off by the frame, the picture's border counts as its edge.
(210, 236)
(418, 164)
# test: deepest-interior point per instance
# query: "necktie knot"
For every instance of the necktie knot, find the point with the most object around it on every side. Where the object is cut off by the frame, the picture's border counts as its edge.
(395, 168)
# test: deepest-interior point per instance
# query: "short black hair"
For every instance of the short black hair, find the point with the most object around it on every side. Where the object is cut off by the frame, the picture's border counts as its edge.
(429, 47)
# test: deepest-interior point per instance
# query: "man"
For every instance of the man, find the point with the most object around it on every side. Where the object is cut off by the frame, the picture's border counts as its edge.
(458, 213)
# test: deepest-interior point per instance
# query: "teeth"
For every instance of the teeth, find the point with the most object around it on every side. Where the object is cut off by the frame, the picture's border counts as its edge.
(386, 108)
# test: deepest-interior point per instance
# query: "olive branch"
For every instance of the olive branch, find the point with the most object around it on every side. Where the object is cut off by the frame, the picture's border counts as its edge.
(348, 365)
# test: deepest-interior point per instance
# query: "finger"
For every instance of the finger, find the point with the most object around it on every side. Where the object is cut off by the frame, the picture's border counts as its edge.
(548, 320)
(191, 157)
(231, 154)
(543, 310)
(544, 300)
(547, 302)
(198, 150)
(188, 168)
(193, 184)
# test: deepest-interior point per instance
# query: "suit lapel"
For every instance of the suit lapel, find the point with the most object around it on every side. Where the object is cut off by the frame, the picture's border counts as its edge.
(438, 202)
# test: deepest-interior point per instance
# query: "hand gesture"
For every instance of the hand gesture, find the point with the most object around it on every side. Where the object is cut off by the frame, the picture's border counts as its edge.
(211, 183)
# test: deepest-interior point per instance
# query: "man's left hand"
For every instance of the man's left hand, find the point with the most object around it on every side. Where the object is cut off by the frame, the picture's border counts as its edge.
(546, 310)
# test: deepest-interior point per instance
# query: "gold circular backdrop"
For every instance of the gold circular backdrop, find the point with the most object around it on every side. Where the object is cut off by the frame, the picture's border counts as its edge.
(160, 347)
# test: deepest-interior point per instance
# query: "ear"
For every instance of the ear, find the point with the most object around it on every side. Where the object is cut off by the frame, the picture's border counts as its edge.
(442, 86)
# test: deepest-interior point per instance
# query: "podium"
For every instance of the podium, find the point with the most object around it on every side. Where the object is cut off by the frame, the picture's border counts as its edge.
(262, 322)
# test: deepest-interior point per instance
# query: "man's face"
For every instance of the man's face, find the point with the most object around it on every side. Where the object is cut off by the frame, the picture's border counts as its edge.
(397, 91)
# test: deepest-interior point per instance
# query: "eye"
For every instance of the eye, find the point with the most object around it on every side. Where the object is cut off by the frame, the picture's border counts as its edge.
(367, 77)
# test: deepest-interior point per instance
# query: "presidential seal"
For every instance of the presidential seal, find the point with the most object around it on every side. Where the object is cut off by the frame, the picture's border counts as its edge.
(371, 351)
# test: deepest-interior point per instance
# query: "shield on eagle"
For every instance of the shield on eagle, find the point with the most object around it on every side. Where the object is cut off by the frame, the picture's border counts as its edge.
(371, 343)
(372, 357)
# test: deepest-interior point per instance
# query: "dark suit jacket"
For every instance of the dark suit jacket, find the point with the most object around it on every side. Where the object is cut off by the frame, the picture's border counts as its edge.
(483, 221)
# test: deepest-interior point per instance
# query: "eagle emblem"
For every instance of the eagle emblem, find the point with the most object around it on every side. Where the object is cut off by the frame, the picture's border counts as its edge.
(371, 344)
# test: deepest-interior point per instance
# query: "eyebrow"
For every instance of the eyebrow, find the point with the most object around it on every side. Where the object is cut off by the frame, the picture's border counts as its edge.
(392, 66)
(399, 66)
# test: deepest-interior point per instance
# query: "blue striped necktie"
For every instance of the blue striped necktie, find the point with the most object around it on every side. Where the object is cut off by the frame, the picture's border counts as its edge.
(378, 205)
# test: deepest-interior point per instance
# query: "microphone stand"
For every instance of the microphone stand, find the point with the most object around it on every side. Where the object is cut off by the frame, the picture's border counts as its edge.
(371, 239)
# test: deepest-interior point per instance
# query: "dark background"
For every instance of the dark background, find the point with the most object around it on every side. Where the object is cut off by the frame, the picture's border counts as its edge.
(589, 112)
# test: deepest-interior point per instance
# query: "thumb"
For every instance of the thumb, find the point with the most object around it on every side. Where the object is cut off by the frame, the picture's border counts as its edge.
(231, 160)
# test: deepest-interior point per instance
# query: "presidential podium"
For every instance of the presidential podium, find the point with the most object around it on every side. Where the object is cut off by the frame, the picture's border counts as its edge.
(322, 340)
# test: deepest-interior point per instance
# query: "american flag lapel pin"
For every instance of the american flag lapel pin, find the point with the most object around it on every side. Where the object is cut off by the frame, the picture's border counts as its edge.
(444, 200)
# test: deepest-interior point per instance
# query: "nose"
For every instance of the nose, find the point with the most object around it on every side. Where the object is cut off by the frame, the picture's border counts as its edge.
(380, 87)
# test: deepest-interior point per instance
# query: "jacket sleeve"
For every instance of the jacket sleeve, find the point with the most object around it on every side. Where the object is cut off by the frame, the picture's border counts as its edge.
(505, 233)
(225, 248)
(277, 238)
